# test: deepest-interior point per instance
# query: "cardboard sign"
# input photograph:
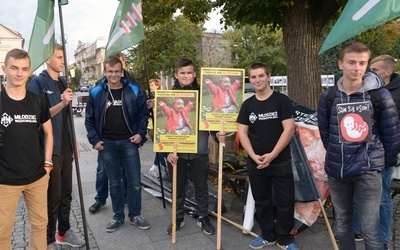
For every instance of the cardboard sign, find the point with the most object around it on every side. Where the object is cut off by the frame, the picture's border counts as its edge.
(221, 92)
(176, 121)
(354, 121)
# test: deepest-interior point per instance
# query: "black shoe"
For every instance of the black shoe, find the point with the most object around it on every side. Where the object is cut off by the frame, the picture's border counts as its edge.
(179, 223)
(205, 224)
(358, 237)
(96, 207)
(113, 225)
(385, 247)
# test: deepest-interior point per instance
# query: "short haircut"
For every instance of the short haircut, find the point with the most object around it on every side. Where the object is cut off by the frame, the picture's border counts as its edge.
(258, 65)
(155, 82)
(59, 47)
(112, 60)
(184, 62)
(388, 61)
(17, 54)
(354, 47)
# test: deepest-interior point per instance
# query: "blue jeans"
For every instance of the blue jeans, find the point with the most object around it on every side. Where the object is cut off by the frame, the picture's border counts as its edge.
(159, 158)
(123, 155)
(102, 182)
(356, 222)
(367, 188)
(386, 207)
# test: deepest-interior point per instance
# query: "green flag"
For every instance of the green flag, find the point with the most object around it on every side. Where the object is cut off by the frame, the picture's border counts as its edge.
(42, 43)
(359, 16)
(127, 27)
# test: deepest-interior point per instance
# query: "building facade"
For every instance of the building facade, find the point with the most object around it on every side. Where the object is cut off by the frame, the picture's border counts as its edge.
(89, 59)
(9, 39)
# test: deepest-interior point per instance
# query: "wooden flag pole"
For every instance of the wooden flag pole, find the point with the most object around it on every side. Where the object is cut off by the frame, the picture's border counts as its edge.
(235, 224)
(334, 244)
(174, 175)
(220, 165)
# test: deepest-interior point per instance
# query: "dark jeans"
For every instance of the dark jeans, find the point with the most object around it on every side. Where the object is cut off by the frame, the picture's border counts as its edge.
(59, 196)
(102, 182)
(118, 155)
(274, 224)
(195, 170)
(159, 158)
(367, 189)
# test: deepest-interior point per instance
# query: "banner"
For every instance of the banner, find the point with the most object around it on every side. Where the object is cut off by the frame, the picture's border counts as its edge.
(42, 42)
(359, 16)
(311, 182)
(127, 27)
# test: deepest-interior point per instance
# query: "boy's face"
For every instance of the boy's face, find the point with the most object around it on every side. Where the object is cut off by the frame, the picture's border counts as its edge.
(56, 61)
(185, 75)
(113, 73)
(259, 79)
(17, 71)
(354, 65)
(225, 83)
(178, 105)
(153, 87)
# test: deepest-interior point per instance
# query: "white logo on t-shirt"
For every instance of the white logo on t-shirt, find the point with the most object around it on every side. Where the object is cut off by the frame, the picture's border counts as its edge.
(252, 117)
(6, 120)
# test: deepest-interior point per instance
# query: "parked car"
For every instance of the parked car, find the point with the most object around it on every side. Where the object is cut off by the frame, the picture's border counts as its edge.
(247, 85)
(84, 89)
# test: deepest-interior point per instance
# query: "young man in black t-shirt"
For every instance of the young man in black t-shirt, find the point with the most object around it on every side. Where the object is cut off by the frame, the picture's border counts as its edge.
(266, 126)
(25, 164)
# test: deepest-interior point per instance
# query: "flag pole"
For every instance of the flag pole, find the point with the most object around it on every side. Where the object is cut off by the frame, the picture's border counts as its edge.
(74, 142)
(152, 120)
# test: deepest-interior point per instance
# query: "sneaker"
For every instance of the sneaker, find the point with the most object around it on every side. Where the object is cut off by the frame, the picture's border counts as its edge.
(95, 207)
(70, 239)
(358, 237)
(291, 246)
(179, 223)
(140, 222)
(205, 224)
(53, 246)
(259, 242)
(113, 225)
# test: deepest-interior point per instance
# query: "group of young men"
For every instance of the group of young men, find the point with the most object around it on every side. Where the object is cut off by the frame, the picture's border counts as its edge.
(36, 124)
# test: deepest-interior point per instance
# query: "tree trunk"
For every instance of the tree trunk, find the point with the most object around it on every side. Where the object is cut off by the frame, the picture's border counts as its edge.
(302, 25)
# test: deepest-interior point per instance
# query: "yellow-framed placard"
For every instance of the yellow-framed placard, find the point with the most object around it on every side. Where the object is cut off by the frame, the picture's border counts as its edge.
(176, 121)
(222, 92)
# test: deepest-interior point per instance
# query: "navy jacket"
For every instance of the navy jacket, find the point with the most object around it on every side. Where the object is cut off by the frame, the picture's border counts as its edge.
(351, 159)
(46, 86)
(134, 109)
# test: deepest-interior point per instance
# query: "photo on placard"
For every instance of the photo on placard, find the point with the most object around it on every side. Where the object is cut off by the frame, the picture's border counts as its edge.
(221, 91)
(176, 121)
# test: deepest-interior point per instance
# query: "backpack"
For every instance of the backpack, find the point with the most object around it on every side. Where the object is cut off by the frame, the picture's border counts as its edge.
(376, 100)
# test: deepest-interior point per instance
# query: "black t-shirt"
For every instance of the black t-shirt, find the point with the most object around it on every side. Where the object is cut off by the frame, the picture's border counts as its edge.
(66, 140)
(22, 155)
(264, 119)
(115, 127)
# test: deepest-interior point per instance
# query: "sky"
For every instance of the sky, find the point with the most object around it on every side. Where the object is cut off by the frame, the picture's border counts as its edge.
(84, 20)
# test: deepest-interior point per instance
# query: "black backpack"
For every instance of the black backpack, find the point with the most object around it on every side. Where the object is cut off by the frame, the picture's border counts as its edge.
(376, 100)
